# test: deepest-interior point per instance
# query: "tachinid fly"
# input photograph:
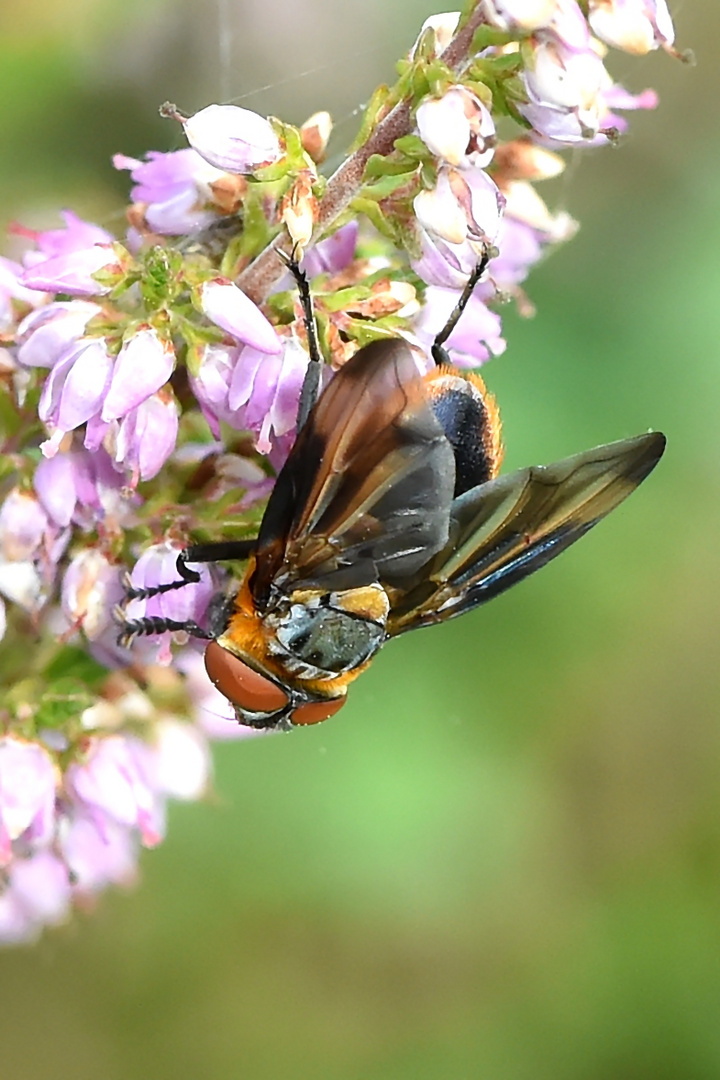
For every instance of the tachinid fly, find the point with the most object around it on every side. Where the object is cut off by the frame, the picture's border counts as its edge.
(388, 515)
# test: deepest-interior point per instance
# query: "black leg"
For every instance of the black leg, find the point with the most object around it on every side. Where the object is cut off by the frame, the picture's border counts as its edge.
(154, 624)
(220, 550)
(311, 383)
(439, 354)
(199, 553)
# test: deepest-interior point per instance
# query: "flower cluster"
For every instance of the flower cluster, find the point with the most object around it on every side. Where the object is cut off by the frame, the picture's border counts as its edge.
(152, 386)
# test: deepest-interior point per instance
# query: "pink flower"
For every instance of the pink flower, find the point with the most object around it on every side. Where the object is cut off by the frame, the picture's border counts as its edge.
(566, 81)
(81, 487)
(45, 334)
(265, 391)
(27, 795)
(144, 364)
(464, 205)
(174, 189)
(233, 139)
(519, 14)
(74, 390)
(96, 856)
(91, 588)
(182, 765)
(13, 293)
(112, 784)
(37, 892)
(23, 524)
(156, 566)
(145, 437)
(74, 271)
(330, 255)
(457, 128)
(230, 309)
(527, 228)
(476, 337)
(211, 385)
(637, 26)
(28, 549)
(78, 235)
(463, 213)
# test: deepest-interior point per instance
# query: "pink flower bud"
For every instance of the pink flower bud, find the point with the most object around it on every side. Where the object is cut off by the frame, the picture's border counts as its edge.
(233, 139)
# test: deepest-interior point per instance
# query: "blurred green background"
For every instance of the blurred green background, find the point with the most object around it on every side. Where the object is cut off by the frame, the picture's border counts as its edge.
(502, 860)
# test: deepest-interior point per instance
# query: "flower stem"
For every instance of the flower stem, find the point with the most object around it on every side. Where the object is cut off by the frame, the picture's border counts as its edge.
(257, 280)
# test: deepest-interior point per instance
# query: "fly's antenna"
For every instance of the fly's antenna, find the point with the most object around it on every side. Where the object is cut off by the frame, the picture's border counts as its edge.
(311, 382)
(437, 349)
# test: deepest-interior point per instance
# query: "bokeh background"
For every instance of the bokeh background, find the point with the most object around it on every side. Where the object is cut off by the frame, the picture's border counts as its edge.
(502, 860)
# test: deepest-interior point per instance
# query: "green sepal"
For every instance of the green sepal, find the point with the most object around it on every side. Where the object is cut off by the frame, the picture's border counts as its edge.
(378, 166)
(364, 331)
(385, 186)
(375, 216)
(374, 112)
(412, 148)
(257, 230)
(486, 36)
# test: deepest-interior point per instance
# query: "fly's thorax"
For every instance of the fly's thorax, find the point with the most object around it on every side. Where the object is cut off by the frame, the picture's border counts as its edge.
(320, 634)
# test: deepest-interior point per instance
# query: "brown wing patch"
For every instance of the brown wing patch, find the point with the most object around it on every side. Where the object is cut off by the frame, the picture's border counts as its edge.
(368, 483)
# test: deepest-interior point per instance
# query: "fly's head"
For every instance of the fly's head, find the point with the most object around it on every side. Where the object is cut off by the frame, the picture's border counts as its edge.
(291, 664)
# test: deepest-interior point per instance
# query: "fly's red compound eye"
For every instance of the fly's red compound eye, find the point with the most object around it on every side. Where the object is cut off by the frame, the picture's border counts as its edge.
(315, 711)
(240, 684)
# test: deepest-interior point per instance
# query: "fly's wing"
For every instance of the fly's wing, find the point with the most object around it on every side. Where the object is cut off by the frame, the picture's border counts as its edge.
(506, 529)
(367, 489)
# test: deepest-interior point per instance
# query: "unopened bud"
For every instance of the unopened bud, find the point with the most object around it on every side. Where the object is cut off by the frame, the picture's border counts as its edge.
(299, 209)
(521, 159)
(314, 135)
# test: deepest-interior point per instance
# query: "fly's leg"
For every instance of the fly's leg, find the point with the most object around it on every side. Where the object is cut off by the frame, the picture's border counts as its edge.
(437, 349)
(155, 624)
(311, 383)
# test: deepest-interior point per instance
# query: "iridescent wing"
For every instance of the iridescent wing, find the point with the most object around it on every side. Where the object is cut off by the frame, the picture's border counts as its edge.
(367, 489)
(502, 531)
